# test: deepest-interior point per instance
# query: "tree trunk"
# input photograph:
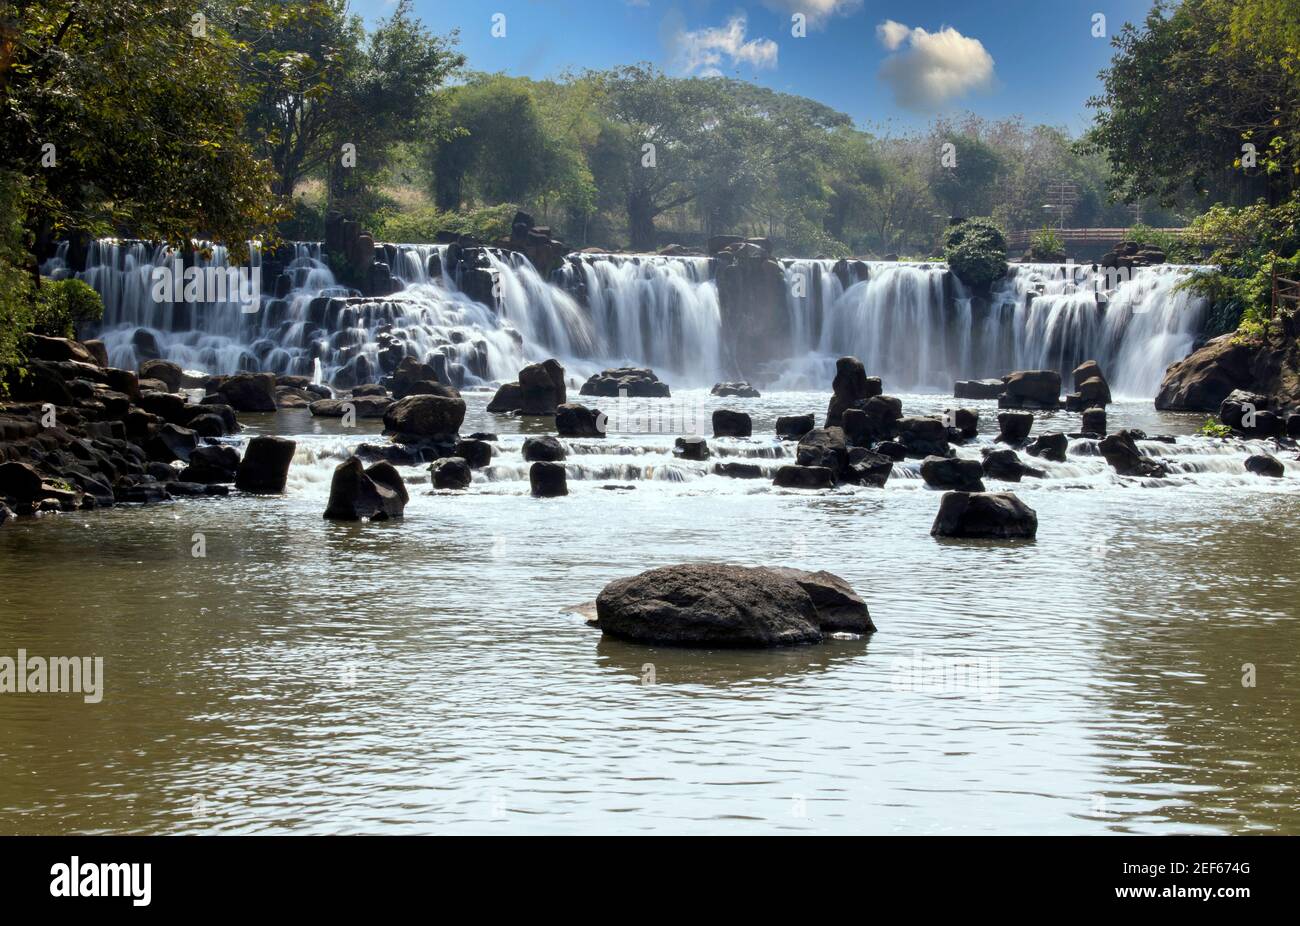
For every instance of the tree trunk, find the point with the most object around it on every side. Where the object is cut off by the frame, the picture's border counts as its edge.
(641, 221)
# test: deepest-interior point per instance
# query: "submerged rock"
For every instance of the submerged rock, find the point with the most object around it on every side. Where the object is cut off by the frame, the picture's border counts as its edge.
(450, 473)
(804, 477)
(1007, 466)
(1122, 453)
(634, 382)
(376, 493)
(1094, 421)
(709, 605)
(993, 515)
(1263, 464)
(362, 406)
(1049, 446)
(691, 447)
(423, 416)
(738, 470)
(740, 390)
(477, 453)
(265, 467)
(952, 473)
(868, 468)
(572, 420)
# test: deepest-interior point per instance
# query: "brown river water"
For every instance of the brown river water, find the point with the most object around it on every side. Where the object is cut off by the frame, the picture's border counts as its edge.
(1135, 669)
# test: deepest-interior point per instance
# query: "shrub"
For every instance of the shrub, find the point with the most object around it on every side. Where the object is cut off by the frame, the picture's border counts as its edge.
(976, 251)
(64, 305)
(421, 226)
(1046, 245)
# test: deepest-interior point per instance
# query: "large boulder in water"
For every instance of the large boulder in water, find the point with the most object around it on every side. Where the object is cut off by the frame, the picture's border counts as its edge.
(1264, 464)
(1007, 466)
(804, 477)
(1039, 389)
(990, 515)
(265, 466)
(634, 382)
(868, 468)
(1122, 453)
(839, 608)
(824, 447)
(1050, 446)
(548, 480)
(573, 420)
(978, 389)
(923, 436)
(168, 373)
(740, 390)
(729, 423)
(793, 427)
(1014, 427)
(1090, 388)
(850, 387)
(376, 493)
(422, 416)
(361, 406)
(1201, 381)
(953, 473)
(544, 449)
(708, 605)
(539, 391)
(874, 420)
(409, 374)
(249, 392)
(450, 473)
(212, 464)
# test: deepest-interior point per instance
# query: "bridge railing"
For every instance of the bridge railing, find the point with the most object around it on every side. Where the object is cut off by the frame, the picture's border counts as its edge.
(1024, 237)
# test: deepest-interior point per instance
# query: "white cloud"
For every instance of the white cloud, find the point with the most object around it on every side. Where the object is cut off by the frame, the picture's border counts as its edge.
(934, 67)
(703, 51)
(817, 11)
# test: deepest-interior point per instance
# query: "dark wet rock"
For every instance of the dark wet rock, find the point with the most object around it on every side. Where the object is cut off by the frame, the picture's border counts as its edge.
(509, 398)
(738, 470)
(868, 468)
(708, 605)
(634, 382)
(573, 420)
(168, 406)
(248, 392)
(58, 350)
(540, 390)
(170, 374)
(212, 464)
(1040, 389)
(181, 489)
(824, 447)
(850, 387)
(953, 473)
(397, 454)
(477, 453)
(1014, 427)
(1122, 453)
(265, 466)
(376, 493)
(839, 608)
(1094, 421)
(1090, 388)
(691, 447)
(1202, 380)
(923, 437)
(892, 449)
(208, 425)
(409, 374)
(793, 427)
(1007, 466)
(966, 421)
(423, 416)
(450, 473)
(548, 480)
(1241, 409)
(369, 390)
(1050, 446)
(19, 482)
(740, 390)
(362, 406)
(804, 477)
(978, 389)
(729, 423)
(991, 515)
(544, 449)
(1263, 464)
(171, 442)
(878, 420)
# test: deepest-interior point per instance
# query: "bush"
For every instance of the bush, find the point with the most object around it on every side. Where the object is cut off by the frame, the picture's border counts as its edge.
(1046, 245)
(976, 251)
(64, 305)
(421, 226)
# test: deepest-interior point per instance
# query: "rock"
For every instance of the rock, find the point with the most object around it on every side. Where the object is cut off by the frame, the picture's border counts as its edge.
(411, 373)
(208, 425)
(369, 390)
(548, 480)
(1039, 389)
(793, 427)
(476, 453)
(19, 482)
(212, 464)
(1094, 421)
(450, 473)
(850, 386)
(164, 371)
(423, 416)
(728, 423)
(1122, 453)
(978, 389)
(692, 447)
(573, 420)
(738, 470)
(923, 437)
(58, 350)
(708, 605)
(1014, 427)
(1201, 381)
(249, 392)
(1090, 385)
(541, 388)
(839, 608)
(740, 390)
(509, 398)
(1263, 464)
(544, 449)
(362, 406)
(953, 473)
(376, 493)
(1007, 466)
(1241, 409)
(1293, 426)
(1049, 446)
(804, 477)
(6, 514)
(867, 468)
(265, 467)
(994, 515)
(875, 420)
(634, 382)
(824, 447)
(966, 421)
(171, 442)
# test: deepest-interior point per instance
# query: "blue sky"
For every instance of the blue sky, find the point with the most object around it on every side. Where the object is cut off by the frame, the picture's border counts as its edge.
(890, 65)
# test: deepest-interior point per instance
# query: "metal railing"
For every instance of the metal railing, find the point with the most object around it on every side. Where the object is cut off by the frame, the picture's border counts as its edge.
(1024, 237)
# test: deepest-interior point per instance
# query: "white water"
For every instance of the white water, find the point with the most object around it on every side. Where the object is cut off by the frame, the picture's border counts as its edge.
(912, 324)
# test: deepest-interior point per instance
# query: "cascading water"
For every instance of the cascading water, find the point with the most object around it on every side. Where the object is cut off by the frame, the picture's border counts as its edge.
(918, 328)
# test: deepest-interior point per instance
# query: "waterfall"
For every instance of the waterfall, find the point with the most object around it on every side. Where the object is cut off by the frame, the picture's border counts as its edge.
(919, 329)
